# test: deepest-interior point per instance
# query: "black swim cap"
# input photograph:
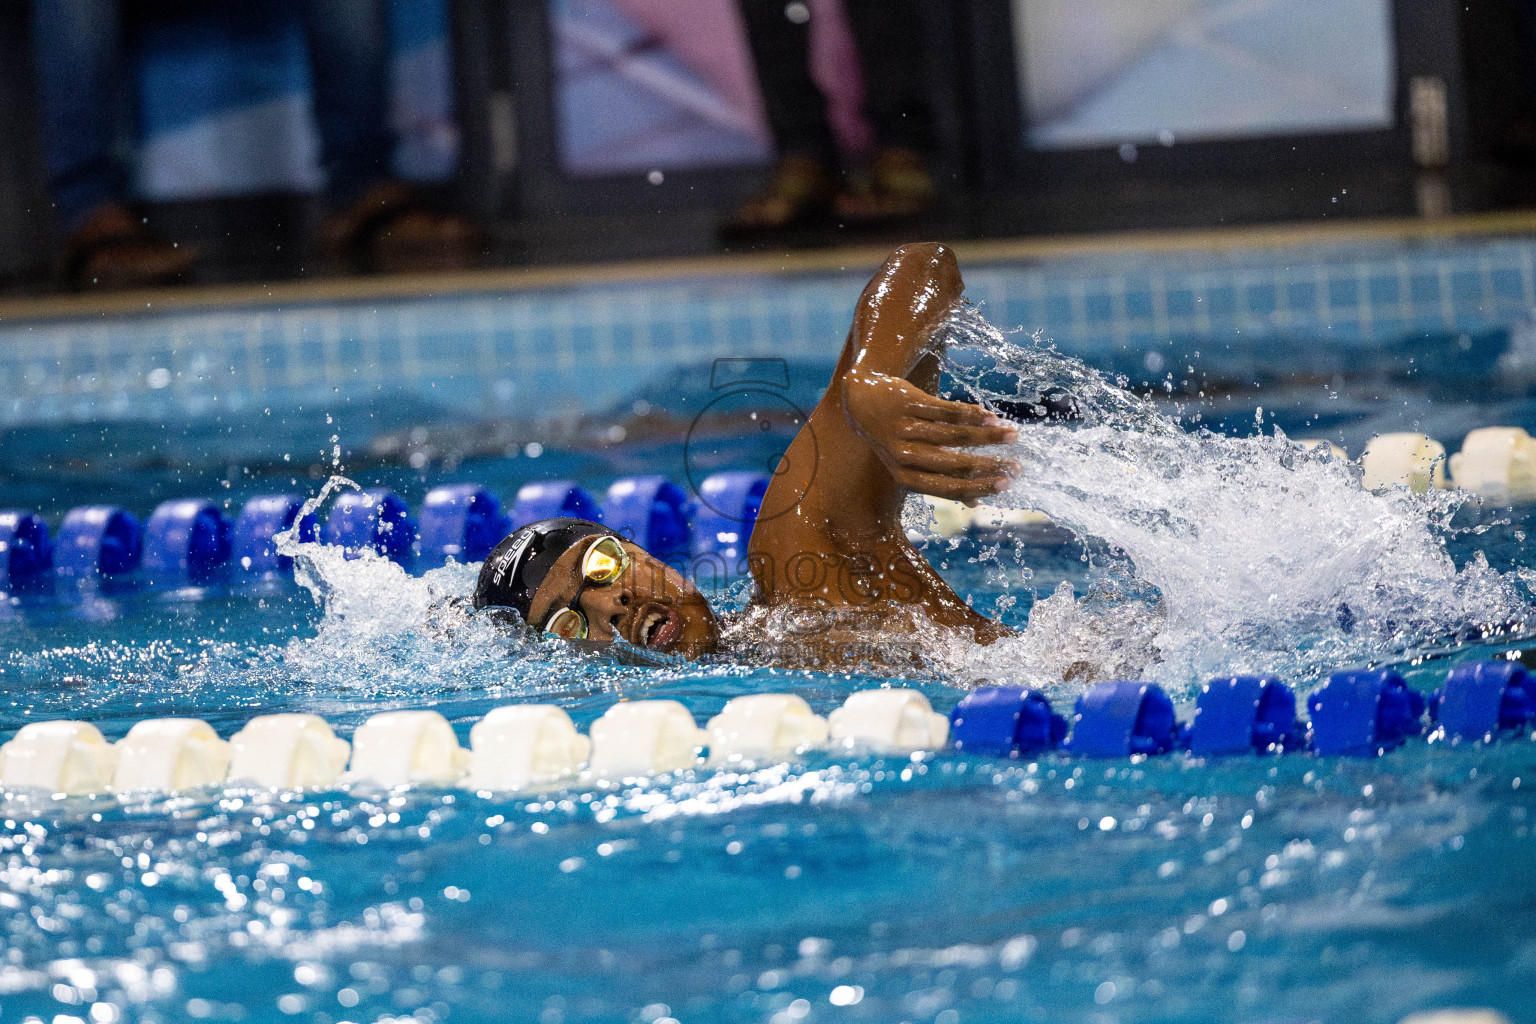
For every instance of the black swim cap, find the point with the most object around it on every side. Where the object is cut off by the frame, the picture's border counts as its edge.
(513, 571)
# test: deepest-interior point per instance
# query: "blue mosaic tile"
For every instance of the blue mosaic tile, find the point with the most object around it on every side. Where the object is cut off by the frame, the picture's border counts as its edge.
(780, 329)
(390, 352)
(1424, 288)
(1343, 293)
(1508, 283)
(1180, 302)
(1466, 286)
(664, 339)
(623, 336)
(1260, 299)
(552, 339)
(1138, 305)
(1385, 290)
(450, 349)
(1301, 299)
(1099, 306)
(1221, 300)
(1018, 310)
(583, 341)
(1058, 309)
(739, 332)
(273, 357)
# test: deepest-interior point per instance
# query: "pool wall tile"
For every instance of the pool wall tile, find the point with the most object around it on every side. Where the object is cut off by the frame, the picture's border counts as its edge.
(590, 347)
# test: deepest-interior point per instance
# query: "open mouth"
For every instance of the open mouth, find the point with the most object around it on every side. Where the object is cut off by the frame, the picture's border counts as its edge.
(658, 627)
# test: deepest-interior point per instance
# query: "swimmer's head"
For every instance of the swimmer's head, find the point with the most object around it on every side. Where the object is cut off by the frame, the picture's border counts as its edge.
(581, 580)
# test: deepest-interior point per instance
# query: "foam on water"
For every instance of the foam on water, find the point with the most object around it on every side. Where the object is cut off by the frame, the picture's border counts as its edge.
(1226, 554)
(1263, 556)
(388, 633)
(386, 629)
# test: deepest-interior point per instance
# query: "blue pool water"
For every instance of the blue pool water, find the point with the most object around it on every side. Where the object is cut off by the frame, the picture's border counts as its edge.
(942, 888)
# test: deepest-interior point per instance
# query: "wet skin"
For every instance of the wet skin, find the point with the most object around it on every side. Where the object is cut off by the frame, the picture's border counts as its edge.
(651, 605)
(829, 536)
(830, 533)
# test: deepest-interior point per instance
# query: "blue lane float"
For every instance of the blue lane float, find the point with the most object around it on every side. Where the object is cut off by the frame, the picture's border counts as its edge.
(460, 521)
(727, 512)
(546, 499)
(26, 552)
(652, 511)
(1242, 714)
(97, 541)
(1482, 699)
(185, 540)
(1364, 713)
(1120, 719)
(377, 519)
(1006, 721)
(252, 548)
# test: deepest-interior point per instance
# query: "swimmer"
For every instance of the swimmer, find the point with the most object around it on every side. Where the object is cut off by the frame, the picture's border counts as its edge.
(828, 547)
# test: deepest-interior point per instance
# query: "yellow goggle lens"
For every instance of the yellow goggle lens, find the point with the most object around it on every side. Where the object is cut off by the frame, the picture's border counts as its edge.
(605, 561)
(567, 624)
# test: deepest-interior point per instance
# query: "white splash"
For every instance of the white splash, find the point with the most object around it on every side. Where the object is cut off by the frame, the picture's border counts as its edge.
(1267, 557)
(384, 629)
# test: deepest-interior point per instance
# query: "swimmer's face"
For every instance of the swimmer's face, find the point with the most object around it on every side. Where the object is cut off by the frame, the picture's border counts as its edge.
(651, 605)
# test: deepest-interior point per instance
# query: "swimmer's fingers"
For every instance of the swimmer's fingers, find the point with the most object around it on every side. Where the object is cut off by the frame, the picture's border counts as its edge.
(924, 406)
(956, 435)
(948, 462)
(969, 491)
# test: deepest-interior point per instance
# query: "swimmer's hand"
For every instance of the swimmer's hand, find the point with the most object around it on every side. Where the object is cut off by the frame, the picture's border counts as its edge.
(920, 439)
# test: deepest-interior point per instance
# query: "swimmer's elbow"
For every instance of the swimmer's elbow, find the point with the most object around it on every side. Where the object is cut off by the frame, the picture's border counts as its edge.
(930, 267)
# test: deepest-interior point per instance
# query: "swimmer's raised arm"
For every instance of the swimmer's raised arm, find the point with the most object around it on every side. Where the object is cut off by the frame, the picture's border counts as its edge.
(879, 433)
(828, 533)
(888, 385)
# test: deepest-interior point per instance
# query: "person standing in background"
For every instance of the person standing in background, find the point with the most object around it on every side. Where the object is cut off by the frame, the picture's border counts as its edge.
(806, 185)
(375, 220)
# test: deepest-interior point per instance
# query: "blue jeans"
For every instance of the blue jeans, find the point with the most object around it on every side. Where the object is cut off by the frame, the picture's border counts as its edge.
(88, 124)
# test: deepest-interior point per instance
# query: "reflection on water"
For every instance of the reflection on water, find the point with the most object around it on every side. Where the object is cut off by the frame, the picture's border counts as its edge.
(942, 888)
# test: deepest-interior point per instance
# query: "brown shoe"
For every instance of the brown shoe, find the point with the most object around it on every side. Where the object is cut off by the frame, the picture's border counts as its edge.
(899, 186)
(801, 190)
(113, 250)
(389, 230)
(421, 241)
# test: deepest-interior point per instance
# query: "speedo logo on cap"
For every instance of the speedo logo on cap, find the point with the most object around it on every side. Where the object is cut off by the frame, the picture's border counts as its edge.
(510, 558)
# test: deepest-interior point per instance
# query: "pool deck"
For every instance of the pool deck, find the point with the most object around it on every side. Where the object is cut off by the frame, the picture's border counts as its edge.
(769, 262)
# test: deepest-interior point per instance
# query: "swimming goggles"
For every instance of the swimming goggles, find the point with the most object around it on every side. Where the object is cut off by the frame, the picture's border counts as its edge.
(602, 565)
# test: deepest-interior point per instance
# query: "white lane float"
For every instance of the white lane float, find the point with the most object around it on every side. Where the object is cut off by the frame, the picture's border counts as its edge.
(1414, 461)
(69, 758)
(406, 748)
(764, 727)
(169, 755)
(890, 720)
(950, 518)
(1457, 1015)
(525, 746)
(1027, 525)
(288, 751)
(1498, 463)
(645, 737)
